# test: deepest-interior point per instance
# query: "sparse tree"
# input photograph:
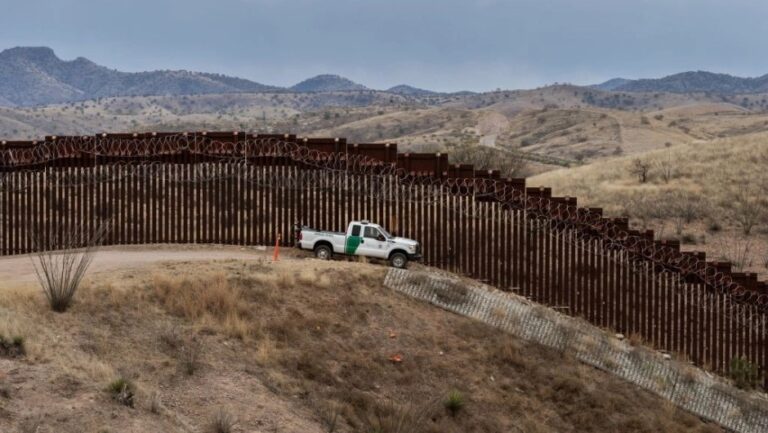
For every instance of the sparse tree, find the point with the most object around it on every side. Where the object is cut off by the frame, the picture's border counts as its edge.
(640, 169)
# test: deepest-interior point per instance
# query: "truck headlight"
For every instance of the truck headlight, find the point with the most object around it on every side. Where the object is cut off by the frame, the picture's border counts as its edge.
(412, 248)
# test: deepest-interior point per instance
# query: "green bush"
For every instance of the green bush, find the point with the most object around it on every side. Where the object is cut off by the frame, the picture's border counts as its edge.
(122, 391)
(13, 347)
(745, 375)
(454, 402)
(687, 238)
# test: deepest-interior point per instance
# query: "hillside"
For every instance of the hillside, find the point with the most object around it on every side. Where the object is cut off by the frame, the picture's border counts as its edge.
(689, 82)
(528, 131)
(706, 194)
(404, 89)
(612, 84)
(36, 76)
(294, 346)
(327, 83)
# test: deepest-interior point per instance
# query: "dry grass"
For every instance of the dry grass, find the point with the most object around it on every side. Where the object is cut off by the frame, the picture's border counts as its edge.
(711, 173)
(209, 300)
(309, 344)
(715, 190)
(320, 336)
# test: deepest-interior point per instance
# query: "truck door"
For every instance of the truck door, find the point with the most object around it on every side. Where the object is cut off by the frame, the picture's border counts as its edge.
(353, 240)
(371, 245)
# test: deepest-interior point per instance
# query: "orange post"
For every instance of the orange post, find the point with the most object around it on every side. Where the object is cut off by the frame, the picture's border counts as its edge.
(275, 257)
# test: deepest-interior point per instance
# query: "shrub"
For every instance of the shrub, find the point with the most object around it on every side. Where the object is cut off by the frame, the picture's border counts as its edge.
(748, 209)
(454, 402)
(155, 403)
(329, 416)
(63, 259)
(30, 425)
(222, 422)
(123, 391)
(688, 238)
(5, 389)
(189, 357)
(390, 417)
(744, 373)
(640, 169)
(714, 227)
(13, 347)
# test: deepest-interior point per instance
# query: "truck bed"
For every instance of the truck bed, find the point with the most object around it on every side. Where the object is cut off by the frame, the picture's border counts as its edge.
(321, 232)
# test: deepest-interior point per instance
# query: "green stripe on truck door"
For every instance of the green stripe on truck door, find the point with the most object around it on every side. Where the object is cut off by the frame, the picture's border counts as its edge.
(352, 243)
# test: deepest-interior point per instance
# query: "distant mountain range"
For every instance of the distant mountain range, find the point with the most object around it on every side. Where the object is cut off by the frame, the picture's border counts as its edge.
(404, 89)
(36, 76)
(690, 82)
(32, 76)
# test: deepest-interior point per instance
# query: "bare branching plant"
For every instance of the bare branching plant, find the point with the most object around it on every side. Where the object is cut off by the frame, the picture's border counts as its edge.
(62, 259)
(738, 251)
(189, 356)
(684, 209)
(666, 167)
(645, 209)
(748, 209)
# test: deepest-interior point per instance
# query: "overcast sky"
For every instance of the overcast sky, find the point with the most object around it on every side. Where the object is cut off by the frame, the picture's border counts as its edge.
(440, 44)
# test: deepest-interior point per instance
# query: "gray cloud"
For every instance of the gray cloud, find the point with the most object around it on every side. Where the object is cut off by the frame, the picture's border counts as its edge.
(444, 45)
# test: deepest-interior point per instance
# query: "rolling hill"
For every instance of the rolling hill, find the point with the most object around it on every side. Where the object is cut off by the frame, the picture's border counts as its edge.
(688, 82)
(36, 76)
(327, 83)
(404, 89)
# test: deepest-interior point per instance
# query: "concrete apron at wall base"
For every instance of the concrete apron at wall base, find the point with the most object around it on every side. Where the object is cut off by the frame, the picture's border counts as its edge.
(690, 388)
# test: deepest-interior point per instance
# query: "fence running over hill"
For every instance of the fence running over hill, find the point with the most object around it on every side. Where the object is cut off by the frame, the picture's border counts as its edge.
(236, 188)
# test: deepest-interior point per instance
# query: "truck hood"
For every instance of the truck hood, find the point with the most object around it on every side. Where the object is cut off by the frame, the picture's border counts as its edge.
(404, 241)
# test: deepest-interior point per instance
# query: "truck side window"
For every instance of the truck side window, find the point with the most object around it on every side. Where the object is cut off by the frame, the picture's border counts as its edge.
(371, 232)
(355, 230)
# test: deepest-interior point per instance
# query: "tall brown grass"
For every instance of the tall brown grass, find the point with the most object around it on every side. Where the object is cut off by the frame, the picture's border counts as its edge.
(712, 175)
(210, 300)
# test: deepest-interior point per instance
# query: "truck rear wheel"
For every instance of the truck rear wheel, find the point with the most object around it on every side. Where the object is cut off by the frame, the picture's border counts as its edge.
(323, 252)
(398, 260)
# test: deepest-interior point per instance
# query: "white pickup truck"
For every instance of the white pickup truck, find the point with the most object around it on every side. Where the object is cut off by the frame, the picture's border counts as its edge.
(361, 239)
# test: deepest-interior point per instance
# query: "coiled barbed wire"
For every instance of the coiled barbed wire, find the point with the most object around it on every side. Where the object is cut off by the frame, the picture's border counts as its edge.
(144, 153)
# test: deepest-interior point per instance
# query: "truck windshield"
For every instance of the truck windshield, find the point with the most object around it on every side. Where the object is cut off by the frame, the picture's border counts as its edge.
(385, 233)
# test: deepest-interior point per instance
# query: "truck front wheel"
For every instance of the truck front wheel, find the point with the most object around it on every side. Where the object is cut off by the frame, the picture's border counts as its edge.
(323, 252)
(398, 260)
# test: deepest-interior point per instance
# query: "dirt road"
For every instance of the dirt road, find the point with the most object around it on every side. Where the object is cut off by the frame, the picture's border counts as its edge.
(19, 271)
